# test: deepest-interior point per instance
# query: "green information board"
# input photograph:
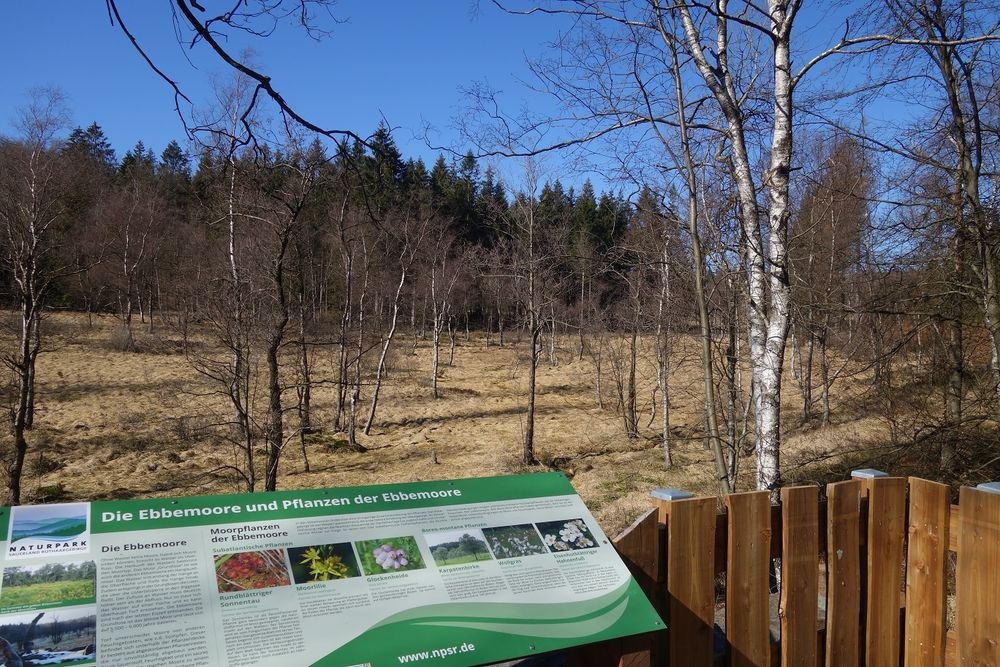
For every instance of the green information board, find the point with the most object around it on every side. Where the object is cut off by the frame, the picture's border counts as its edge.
(459, 572)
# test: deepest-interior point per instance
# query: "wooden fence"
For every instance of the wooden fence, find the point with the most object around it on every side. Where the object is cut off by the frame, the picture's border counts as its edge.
(872, 575)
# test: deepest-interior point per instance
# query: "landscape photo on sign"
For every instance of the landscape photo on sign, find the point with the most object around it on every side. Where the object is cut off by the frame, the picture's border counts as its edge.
(457, 547)
(66, 636)
(48, 584)
(42, 530)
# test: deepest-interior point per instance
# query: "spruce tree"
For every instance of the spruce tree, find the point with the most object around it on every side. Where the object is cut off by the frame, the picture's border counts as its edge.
(175, 161)
(491, 207)
(92, 145)
(384, 171)
(442, 183)
(415, 176)
(466, 224)
(138, 160)
(554, 206)
(584, 216)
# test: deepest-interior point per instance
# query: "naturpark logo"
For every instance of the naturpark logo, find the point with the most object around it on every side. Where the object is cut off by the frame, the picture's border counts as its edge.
(49, 530)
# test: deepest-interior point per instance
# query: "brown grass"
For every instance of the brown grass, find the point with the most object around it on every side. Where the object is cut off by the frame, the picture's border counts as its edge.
(112, 424)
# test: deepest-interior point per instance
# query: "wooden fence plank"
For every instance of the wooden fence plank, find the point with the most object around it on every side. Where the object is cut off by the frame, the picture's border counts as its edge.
(639, 547)
(747, 580)
(603, 654)
(843, 591)
(926, 562)
(953, 521)
(978, 578)
(635, 651)
(886, 534)
(799, 575)
(608, 653)
(691, 580)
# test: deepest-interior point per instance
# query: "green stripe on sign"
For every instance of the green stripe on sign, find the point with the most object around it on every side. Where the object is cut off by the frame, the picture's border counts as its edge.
(182, 512)
(569, 630)
(446, 641)
(528, 611)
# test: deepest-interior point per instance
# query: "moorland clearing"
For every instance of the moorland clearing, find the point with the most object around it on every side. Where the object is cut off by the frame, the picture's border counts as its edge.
(114, 424)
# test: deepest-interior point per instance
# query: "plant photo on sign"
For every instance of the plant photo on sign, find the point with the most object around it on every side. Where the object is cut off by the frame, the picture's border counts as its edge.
(514, 541)
(457, 547)
(391, 554)
(567, 535)
(323, 562)
(249, 570)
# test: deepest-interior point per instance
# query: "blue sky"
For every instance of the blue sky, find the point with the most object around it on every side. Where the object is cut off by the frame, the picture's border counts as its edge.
(402, 61)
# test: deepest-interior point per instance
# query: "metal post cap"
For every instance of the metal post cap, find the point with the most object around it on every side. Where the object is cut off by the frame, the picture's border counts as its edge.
(669, 493)
(868, 473)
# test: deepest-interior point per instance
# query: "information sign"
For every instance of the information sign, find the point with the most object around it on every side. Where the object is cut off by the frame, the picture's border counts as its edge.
(460, 572)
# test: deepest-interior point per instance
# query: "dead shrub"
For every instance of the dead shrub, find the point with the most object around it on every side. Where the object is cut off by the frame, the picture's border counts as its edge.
(121, 339)
(189, 428)
(41, 465)
(52, 493)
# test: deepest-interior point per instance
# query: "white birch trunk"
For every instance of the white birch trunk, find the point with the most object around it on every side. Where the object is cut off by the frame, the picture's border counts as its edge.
(767, 275)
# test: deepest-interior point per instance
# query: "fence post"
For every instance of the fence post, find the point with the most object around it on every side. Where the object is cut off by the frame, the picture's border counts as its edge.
(690, 575)
(641, 548)
(663, 496)
(666, 494)
(799, 576)
(977, 582)
(866, 475)
(844, 566)
(748, 557)
(886, 539)
(926, 574)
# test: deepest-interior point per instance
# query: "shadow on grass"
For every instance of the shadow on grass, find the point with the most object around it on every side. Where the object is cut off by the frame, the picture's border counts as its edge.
(468, 414)
(976, 458)
(65, 392)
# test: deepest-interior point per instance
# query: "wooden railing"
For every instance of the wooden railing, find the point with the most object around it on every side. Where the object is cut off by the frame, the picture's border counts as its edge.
(871, 575)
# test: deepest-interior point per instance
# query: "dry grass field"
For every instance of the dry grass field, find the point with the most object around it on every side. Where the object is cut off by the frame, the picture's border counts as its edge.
(113, 424)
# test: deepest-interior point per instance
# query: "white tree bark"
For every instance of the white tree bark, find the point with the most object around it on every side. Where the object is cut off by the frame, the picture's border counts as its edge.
(767, 274)
(380, 372)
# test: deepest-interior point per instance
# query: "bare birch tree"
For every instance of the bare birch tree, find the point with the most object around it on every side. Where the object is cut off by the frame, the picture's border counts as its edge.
(131, 217)
(737, 59)
(408, 236)
(518, 262)
(286, 181)
(32, 206)
(447, 265)
(958, 40)
(825, 249)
